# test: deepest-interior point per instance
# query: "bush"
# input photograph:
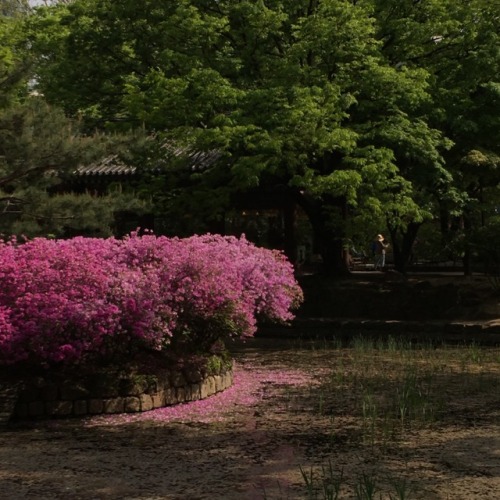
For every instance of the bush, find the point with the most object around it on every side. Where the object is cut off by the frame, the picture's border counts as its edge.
(68, 301)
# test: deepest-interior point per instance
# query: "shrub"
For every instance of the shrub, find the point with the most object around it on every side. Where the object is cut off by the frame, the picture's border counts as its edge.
(67, 301)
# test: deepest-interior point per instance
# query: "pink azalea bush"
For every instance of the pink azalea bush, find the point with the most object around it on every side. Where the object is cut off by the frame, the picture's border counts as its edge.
(62, 301)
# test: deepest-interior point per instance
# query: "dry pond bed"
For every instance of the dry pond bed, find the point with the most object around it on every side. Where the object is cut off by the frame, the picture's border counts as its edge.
(303, 420)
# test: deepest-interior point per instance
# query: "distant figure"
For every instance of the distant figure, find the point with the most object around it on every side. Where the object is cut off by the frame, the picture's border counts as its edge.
(379, 247)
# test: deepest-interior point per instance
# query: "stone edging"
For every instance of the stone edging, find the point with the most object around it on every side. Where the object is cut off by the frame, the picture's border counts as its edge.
(40, 398)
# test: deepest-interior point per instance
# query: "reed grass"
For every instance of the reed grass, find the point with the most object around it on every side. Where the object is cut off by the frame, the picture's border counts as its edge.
(389, 388)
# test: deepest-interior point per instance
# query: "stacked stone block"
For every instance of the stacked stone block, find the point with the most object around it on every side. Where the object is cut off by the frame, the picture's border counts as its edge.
(41, 398)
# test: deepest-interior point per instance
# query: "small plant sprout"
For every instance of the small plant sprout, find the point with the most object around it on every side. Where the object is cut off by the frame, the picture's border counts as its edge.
(332, 482)
(403, 490)
(366, 487)
(309, 481)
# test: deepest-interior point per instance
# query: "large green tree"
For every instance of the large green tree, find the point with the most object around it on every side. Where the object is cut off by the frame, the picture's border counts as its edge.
(458, 44)
(294, 93)
(40, 148)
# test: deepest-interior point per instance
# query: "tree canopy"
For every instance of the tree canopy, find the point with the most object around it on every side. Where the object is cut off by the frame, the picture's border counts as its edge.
(378, 107)
(40, 147)
(458, 45)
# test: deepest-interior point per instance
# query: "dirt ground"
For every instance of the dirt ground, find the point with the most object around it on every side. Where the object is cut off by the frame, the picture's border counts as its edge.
(264, 437)
(254, 441)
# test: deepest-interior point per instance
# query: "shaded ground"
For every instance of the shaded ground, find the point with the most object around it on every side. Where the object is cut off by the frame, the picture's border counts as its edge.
(390, 296)
(297, 414)
(290, 409)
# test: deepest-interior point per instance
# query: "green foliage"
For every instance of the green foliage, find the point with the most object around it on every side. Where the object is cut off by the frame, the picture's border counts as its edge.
(63, 215)
(458, 45)
(35, 139)
(370, 109)
(40, 147)
(218, 363)
(14, 63)
(39, 150)
(292, 95)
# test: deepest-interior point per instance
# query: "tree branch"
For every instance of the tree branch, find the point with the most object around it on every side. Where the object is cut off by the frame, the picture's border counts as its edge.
(19, 175)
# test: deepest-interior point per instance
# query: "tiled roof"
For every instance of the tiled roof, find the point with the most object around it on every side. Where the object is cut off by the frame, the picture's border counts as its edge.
(112, 165)
(196, 160)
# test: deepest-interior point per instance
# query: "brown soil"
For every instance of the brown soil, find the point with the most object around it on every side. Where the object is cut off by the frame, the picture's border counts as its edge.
(256, 450)
(263, 449)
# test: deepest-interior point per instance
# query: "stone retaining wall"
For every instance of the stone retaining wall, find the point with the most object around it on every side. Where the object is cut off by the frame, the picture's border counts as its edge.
(42, 398)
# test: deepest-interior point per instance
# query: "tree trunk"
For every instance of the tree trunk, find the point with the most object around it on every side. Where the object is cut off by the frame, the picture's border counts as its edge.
(328, 236)
(466, 259)
(402, 245)
(334, 257)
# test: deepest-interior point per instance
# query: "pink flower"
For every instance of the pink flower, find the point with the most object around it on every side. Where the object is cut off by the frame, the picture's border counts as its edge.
(62, 300)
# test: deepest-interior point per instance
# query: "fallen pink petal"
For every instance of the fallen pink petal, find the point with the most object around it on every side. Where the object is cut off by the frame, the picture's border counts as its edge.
(248, 389)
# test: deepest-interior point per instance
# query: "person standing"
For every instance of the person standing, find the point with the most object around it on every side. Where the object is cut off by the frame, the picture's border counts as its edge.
(380, 246)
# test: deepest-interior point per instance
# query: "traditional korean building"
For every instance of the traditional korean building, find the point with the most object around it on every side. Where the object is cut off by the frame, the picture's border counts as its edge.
(268, 217)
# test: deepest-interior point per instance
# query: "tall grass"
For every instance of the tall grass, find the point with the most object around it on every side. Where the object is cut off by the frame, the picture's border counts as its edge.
(386, 389)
